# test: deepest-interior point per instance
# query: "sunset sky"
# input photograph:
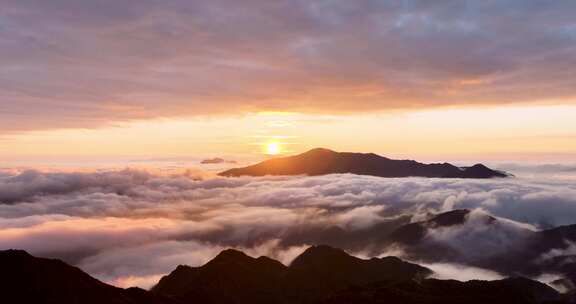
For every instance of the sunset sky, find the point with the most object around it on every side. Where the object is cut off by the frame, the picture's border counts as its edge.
(433, 80)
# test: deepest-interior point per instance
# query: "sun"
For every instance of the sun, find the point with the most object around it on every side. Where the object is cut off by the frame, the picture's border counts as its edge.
(273, 148)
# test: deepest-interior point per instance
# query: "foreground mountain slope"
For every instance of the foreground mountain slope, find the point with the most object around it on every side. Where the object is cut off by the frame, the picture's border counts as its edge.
(323, 161)
(321, 270)
(28, 279)
(231, 277)
(431, 291)
(320, 275)
(327, 275)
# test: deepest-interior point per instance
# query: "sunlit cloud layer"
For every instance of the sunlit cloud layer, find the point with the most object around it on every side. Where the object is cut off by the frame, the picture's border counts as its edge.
(130, 227)
(69, 63)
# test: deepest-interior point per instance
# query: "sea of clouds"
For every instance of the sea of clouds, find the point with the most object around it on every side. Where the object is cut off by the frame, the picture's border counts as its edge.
(130, 227)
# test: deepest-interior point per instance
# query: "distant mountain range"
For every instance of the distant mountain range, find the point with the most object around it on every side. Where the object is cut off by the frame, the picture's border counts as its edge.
(217, 160)
(321, 274)
(323, 161)
(520, 249)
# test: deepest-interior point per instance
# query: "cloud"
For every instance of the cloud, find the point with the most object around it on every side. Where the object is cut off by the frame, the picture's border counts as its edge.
(569, 251)
(114, 223)
(69, 63)
(481, 236)
(565, 171)
(449, 271)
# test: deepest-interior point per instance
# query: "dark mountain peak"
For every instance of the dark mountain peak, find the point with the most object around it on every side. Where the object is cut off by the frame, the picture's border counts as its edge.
(231, 277)
(479, 166)
(325, 260)
(217, 160)
(264, 260)
(321, 254)
(414, 232)
(14, 253)
(458, 217)
(322, 270)
(183, 267)
(324, 161)
(481, 171)
(566, 231)
(554, 238)
(530, 289)
(450, 218)
(183, 270)
(232, 255)
(28, 279)
(410, 236)
(323, 250)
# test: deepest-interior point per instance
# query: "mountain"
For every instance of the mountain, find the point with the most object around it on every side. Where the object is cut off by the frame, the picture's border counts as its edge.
(28, 279)
(323, 161)
(507, 291)
(478, 239)
(319, 275)
(231, 277)
(328, 275)
(217, 160)
(457, 236)
(321, 270)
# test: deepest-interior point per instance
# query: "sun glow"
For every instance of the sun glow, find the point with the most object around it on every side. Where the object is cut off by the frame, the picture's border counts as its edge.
(273, 148)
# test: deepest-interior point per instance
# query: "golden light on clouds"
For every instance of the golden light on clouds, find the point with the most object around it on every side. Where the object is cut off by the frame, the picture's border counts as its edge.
(442, 134)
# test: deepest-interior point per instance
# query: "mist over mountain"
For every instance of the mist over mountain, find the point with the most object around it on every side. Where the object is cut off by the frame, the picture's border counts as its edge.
(323, 161)
(478, 239)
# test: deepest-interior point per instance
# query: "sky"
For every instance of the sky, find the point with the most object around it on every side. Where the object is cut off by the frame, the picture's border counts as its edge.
(433, 80)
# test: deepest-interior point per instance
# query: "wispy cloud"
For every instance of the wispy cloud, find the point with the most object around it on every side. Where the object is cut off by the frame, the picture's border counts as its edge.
(69, 63)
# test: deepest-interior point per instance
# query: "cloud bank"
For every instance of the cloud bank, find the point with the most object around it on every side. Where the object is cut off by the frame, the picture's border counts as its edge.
(114, 223)
(69, 63)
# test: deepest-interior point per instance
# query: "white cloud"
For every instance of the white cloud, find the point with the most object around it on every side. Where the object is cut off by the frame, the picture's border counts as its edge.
(103, 220)
(448, 271)
(481, 236)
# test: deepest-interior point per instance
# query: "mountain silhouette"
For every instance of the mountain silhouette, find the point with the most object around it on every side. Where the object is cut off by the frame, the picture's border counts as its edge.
(431, 291)
(231, 277)
(234, 277)
(217, 160)
(322, 270)
(527, 252)
(323, 161)
(28, 279)
(321, 274)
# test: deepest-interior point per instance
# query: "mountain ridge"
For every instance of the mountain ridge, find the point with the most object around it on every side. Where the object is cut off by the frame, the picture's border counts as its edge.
(321, 161)
(29, 279)
(321, 274)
